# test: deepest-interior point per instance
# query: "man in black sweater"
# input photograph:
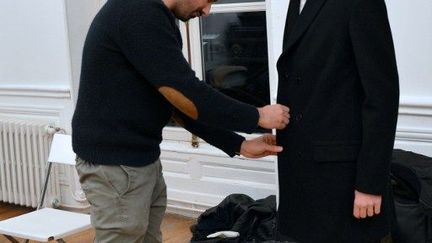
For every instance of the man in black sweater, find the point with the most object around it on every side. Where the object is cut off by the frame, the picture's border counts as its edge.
(134, 78)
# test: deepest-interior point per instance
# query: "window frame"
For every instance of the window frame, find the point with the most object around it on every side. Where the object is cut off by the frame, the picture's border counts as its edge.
(191, 34)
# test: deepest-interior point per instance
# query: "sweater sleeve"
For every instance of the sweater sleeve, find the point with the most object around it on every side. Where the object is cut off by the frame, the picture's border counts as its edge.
(374, 54)
(225, 140)
(151, 44)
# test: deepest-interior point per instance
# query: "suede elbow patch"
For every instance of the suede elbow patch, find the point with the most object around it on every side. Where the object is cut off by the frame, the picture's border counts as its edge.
(180, 101)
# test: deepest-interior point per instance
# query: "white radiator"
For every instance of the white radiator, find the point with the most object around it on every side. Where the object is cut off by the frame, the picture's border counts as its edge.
(24, 147)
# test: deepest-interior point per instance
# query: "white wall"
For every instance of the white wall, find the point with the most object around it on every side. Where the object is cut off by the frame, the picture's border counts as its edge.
(33, 44)
(79, 14)
(411, 23)
(35, 74)
(37, 69)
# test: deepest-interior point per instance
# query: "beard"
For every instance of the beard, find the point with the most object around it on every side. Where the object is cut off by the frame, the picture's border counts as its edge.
(183, 12)
(186, 17)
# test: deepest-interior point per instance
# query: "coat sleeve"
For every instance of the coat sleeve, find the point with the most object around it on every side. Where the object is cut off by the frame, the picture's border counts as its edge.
(225, 140)
(376, 64)
(150, 42)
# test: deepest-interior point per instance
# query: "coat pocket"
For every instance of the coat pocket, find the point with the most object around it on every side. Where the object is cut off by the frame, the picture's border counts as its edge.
(336, 151)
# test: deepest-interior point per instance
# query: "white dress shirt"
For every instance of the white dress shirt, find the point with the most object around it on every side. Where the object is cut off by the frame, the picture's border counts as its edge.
(302, 4)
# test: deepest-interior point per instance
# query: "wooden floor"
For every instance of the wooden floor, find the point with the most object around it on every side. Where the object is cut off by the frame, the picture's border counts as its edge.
(175, 229)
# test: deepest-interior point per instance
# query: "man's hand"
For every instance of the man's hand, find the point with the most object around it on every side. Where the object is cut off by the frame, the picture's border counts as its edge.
(366, 205)
(260, 147)
(273, 116)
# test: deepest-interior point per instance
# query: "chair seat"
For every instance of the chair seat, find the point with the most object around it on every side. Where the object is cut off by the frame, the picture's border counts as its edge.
(45, 224)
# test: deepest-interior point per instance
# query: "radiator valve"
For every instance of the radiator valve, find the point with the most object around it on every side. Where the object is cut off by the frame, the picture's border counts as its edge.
(52, 129)
(55, 203)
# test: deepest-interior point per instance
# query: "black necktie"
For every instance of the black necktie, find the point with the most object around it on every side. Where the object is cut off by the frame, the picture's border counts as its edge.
(292, 16)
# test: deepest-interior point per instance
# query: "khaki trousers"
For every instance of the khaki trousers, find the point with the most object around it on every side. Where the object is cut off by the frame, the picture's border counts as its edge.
(127, 203)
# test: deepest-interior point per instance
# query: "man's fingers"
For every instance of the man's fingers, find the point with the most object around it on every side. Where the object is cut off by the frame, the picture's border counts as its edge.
(273, 116)
(286, 114)
(356, 211)
(377, 208)
(370, 211)
(274, 149)
(271, 139)
(282, 124)
(363, 213)
(367, 205)
(270, 153)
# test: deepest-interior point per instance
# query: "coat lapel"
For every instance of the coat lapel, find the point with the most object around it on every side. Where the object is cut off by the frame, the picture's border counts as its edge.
(306, 18)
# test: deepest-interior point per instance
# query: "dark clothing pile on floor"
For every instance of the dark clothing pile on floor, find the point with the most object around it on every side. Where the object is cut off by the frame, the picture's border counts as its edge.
(411, 175)
(254, 220)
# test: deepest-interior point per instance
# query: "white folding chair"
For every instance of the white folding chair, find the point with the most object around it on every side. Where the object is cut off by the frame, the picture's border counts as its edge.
(46, 224)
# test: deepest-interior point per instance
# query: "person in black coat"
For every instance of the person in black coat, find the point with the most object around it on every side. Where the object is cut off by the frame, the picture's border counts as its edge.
(338, 75)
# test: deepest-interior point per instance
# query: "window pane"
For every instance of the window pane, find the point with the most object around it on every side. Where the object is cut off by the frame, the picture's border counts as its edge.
(235, 55)
(237, 1)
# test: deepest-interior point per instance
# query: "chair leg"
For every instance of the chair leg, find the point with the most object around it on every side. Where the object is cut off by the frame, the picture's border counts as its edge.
(45, 186)
(11, 239)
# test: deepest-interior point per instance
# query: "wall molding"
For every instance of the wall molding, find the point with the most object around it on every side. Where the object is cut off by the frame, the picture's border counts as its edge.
(415, 106)
(31, 110)
(414, 134)
(58, 92)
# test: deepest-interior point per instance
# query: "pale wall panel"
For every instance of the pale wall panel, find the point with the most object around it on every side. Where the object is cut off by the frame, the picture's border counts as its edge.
(34, 49)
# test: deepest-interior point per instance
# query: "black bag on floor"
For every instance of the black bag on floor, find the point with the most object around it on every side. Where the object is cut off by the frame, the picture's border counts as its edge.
(254, 220)
(411, 177)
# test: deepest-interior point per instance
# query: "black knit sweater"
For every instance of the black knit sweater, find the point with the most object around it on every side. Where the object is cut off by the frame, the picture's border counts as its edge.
(133, 47)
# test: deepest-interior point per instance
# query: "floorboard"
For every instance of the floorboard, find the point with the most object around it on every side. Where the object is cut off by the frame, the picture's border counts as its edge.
(175, 229)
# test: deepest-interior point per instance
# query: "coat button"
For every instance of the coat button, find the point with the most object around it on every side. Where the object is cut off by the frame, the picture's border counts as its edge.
(298, 117)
